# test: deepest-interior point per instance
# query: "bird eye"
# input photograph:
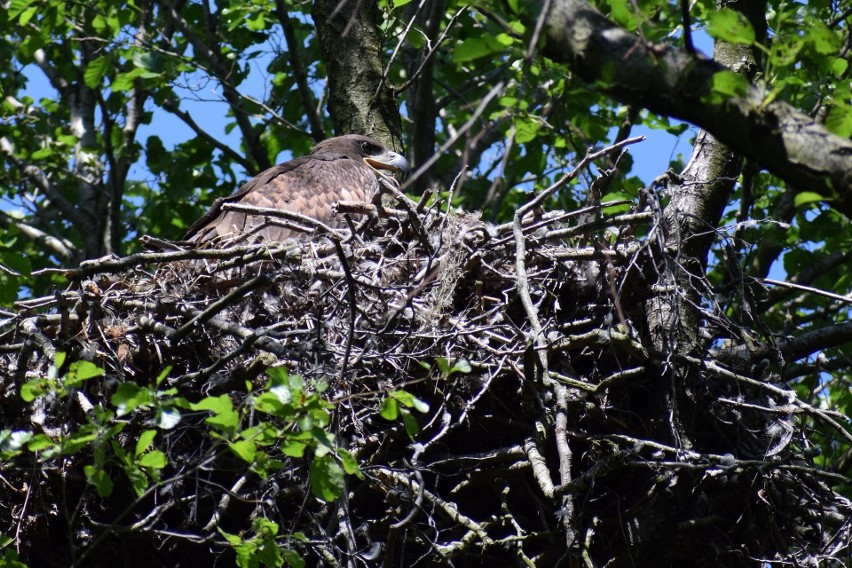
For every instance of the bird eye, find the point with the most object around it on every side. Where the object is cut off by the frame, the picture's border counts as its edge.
(365, 147)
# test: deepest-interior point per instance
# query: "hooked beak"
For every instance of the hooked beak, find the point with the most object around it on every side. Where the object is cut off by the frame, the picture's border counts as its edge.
(391, 161)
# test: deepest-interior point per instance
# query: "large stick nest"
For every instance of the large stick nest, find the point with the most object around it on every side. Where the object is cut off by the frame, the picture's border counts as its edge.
(549, 423)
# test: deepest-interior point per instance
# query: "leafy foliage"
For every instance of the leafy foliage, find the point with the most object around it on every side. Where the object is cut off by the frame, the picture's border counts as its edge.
(295, 426)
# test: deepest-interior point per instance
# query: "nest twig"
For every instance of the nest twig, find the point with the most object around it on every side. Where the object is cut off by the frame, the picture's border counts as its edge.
(551, 443)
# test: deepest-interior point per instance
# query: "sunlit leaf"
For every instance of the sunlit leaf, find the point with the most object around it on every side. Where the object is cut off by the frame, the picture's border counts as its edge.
(805, 197)
(128, 397)
(475, 48)
(244, 449)
(730, 84)
(839, 120)
(729, 25)
(96, 70)
(823, 39)
(153, 460)
(389, 410)
(326, 478)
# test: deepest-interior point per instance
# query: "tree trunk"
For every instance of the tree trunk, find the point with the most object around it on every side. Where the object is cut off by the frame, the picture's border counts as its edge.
(360, 100)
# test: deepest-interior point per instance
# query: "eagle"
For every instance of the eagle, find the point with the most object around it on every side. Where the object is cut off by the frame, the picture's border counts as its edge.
(345, 168)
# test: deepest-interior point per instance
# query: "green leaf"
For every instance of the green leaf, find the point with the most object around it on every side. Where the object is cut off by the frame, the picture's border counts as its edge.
(40, 442)
(16, 7)
(146, 439)
(96, 70)
(216, 404)
(232, 538)
(264, 550)
(246, 450)
(805, 197)
(526, 130)
(623, 13)
(410, 423)
(294, 448)
(291, 557)
(125, 81)
(19, 263)
(505, 40)
(165, 372)
(34, 389)
(785, 51)
(77, 441)
(10, 560)
(474, 48)
(42, 153)
(81, 371)
(389, 410)
(616, 196)
(405, 398)
(278, 375)
(350, 464)
(138, 479)
(729, 84)
(731, 26)
(270, 403)
(825, 41)
(153, 460)
(326, 477)
(128, 397)
(98, 477)
(839, 120)
(415, 38)
(838, 66)
(225, 418)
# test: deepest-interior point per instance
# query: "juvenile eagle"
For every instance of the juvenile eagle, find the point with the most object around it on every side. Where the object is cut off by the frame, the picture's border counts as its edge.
(345, 168)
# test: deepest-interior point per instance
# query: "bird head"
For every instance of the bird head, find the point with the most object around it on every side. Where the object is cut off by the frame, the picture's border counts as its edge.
(370, 150)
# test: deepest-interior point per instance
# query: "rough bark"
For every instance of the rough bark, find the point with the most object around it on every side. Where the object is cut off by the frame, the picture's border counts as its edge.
(87, 214)
(676, 83)
(698, 198)
(359, 102)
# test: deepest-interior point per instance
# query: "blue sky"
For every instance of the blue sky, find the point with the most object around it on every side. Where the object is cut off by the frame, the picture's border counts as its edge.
(651, 158)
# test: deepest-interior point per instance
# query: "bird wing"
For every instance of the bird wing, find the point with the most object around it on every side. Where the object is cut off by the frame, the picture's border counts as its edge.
(309, 185)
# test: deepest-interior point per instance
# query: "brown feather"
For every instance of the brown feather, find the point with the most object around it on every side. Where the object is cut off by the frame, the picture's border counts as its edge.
(334, 171)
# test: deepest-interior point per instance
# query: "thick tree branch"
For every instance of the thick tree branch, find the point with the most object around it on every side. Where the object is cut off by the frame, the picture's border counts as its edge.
(819, 267)
(58, 247)
(672, 82)
(39, 179)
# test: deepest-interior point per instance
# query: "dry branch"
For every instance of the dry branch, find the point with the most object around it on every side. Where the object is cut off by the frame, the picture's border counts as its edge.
(549, 445)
